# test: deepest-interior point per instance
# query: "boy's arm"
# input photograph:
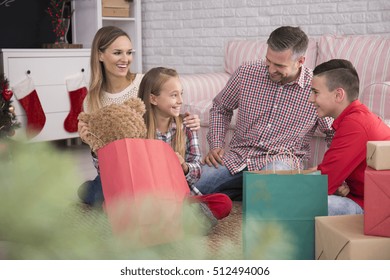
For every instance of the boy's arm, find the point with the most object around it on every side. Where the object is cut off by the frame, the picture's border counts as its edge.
(345, 153)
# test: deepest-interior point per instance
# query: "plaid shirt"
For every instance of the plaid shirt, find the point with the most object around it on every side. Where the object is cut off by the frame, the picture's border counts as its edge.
(271, 117)
(192, 155)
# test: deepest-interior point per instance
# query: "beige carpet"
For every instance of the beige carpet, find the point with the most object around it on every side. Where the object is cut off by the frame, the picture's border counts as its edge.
(224, 241)
(228, 230)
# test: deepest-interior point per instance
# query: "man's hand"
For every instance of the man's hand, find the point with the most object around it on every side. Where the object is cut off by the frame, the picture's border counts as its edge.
(343, 190)
(191, 121)
(214, 157)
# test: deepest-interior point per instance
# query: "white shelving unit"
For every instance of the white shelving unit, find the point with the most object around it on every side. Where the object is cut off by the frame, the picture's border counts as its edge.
(87, 19)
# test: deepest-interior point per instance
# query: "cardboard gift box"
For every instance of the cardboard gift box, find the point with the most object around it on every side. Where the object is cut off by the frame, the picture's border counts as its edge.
(285, 203)
(116, 8)
(342, 238)
(378, 155)
(377, 202)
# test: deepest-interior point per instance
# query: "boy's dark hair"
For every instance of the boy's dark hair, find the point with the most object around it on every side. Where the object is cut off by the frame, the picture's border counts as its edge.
(288, 37)
(340, 73)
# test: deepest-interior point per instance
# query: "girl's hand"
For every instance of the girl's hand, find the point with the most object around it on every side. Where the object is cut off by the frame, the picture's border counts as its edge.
(191, 121)
(182, 163)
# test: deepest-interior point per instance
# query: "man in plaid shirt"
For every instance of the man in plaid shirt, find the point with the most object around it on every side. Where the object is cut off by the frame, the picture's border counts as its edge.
(274, 116)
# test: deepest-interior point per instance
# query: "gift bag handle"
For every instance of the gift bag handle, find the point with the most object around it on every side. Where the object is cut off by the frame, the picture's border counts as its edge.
(97, 138)
(281, 152)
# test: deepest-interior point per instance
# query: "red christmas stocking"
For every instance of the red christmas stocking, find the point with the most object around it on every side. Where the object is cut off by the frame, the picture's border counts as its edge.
(26, 94)
(77, 91)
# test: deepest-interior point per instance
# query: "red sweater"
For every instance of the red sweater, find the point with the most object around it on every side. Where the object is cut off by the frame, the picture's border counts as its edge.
(345, 160)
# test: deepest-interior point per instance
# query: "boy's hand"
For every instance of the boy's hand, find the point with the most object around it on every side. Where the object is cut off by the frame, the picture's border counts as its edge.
(343, 190)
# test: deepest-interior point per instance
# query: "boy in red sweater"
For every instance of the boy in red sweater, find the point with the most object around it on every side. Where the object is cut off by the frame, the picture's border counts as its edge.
(335, 92)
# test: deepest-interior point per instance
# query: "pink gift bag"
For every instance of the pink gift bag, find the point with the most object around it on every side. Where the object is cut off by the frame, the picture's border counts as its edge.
(144, 189)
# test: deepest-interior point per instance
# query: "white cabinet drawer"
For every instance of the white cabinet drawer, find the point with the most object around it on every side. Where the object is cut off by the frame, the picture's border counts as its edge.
(46, 71)
(53, 99)
(53, 129)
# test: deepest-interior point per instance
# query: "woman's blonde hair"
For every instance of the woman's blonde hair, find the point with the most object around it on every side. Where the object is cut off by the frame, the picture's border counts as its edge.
(104, 37)
(152, 83)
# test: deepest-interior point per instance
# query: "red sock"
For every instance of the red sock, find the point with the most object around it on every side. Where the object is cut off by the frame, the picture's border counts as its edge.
(219, 204)
(26, 94)
(77, 91)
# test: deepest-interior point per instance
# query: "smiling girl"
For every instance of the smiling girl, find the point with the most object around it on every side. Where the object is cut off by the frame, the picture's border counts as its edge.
(161, 91)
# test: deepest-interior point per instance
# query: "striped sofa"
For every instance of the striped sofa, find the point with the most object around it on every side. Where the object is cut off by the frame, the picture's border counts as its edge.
(369, 54)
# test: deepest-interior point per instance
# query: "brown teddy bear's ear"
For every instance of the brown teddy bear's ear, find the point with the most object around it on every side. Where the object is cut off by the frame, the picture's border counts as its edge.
(137, 104)
(84, 117)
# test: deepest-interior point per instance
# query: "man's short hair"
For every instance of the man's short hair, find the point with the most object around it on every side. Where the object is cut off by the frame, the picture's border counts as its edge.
(340, 73)
(288, 37)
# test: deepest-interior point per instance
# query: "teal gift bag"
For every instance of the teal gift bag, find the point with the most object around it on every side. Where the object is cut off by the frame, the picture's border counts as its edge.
(278, 213)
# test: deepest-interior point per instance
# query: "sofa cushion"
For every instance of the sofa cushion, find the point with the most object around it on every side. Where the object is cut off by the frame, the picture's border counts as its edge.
(202, 109)
(199, 91)
(202, 86)
(377, 98)
(318, 147)
(239, 51)
(368, 53)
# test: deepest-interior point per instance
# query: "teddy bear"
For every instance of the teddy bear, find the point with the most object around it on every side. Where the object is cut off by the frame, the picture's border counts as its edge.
(115, 122)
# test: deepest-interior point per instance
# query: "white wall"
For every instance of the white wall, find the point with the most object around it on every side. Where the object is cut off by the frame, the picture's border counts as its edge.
(190, 35)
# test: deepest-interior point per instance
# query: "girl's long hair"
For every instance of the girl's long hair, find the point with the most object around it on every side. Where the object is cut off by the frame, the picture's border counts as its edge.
(104, 37)
(152, 83)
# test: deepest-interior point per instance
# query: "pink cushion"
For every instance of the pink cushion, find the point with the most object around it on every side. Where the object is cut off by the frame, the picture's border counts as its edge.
(203, 144)
(369, 54)
(198, 87)
(318, 148)
(199, 91)
(239, 51)
(377, 97)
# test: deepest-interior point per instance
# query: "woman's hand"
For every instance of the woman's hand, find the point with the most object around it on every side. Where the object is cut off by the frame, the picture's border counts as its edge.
(191, 121)
(83, 131)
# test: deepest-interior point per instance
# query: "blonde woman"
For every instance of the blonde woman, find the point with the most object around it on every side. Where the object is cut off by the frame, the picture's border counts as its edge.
(111, 82)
